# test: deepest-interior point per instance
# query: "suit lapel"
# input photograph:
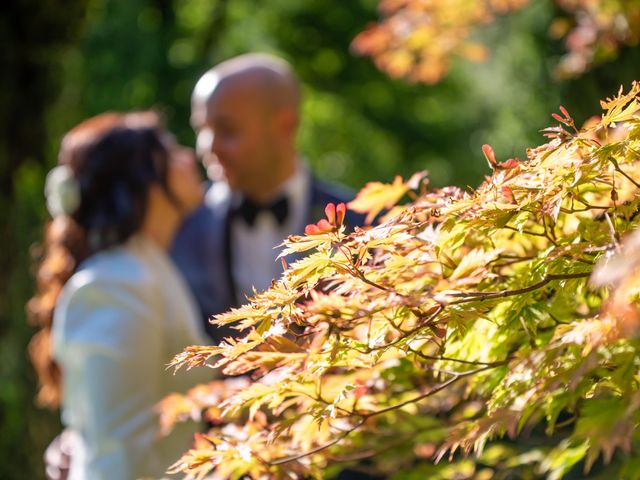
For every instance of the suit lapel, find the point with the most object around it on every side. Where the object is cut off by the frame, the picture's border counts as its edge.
(228, 260)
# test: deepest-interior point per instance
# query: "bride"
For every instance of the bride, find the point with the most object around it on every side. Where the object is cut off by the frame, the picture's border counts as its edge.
(111, 306)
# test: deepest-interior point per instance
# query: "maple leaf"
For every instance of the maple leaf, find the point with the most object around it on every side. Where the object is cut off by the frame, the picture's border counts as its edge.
(333, 222)
(376, 196)
(490, 156)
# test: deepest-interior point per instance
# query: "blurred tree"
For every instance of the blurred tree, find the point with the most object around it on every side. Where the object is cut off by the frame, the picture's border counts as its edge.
(418, 39)
(33, 36)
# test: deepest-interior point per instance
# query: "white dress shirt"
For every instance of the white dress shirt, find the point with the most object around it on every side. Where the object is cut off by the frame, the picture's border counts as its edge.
(118, 322)
(254, 251)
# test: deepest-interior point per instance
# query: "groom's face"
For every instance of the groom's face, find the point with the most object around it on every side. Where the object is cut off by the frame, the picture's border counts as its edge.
(237, 136)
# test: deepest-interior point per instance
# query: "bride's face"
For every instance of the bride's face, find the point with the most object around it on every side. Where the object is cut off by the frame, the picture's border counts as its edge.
(183, 177)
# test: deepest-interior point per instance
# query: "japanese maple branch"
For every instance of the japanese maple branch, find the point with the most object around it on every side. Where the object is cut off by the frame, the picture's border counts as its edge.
(623, 173)
(421, 326)
(497, 363)
(374, 452)
(526, 232)
(474, 296)
(358, 273)
(430, 393)
(318, 449)
(365, 416)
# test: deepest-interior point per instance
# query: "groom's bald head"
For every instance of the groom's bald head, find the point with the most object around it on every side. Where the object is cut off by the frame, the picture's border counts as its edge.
(246, 113)
(270, 77)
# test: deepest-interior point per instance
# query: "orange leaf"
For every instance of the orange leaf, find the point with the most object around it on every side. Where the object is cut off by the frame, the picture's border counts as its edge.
(312, 229)
(341, 210)
(324, 225)
(376, 196)
(508, 194)
(489, 155)
(508, 164)
(330, 212)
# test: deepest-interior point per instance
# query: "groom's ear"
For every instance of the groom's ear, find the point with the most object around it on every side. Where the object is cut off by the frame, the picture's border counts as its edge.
(285, 122)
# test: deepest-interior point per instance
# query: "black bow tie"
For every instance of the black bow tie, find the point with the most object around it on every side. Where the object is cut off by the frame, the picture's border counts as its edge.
(249, 210)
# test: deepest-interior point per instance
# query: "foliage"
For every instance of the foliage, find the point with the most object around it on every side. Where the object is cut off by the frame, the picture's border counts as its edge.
(462, 318)
(418, 39)
(33, 36)
(596, 32)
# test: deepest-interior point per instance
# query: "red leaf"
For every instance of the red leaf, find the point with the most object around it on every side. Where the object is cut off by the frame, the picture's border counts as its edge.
(312, 229)
(330, 212)
(509, 164)
(508, 194)
(324, 225)
(341, 210)
(489, 155)
(361, 389)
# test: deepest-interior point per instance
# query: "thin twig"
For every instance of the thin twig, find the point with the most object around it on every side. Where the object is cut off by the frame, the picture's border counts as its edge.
(320, 448)
(624, 174)
(473, 296)
(364, 417)
(458, 360)
(612, 231)
(550, 236)
(374, 452)
(532, 342)
(406, 334)
(586, 209)
(527, 232)
(430, 393)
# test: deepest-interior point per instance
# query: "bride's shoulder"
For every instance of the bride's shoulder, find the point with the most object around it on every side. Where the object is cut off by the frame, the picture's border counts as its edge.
(117, 265)
(106, 277)
(99, 301)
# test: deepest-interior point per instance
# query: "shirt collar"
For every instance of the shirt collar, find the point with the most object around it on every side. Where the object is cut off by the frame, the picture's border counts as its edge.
(296, 188)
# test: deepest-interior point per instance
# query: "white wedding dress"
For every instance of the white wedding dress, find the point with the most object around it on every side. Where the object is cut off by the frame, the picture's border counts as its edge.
(118, 322)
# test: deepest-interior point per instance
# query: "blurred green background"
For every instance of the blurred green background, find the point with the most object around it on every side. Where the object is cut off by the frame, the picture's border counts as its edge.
(62, 61)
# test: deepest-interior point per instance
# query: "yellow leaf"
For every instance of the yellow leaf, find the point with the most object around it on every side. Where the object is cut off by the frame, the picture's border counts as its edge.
(376, 196)
(473, 263)
(298, 244)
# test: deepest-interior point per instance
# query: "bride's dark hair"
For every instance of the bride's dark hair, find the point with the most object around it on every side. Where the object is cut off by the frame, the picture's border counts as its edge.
(115, 159)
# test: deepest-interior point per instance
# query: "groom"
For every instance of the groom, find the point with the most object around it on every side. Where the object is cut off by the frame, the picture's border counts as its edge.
(245, 112)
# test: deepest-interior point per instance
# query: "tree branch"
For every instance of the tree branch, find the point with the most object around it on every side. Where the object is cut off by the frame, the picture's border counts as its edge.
(318, 449)
(474, 296)
(430, 393)
(458, 360)
(367, 416)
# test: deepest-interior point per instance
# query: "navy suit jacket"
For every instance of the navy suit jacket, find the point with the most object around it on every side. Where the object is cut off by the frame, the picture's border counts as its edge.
(201, 249)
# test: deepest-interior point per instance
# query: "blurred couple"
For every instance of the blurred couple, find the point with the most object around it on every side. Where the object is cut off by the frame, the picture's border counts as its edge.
(136, 259)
